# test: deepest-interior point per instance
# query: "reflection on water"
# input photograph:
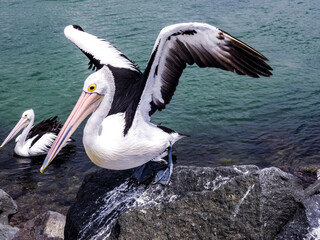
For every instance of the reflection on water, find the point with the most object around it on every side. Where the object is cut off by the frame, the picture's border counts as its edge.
(36, 193)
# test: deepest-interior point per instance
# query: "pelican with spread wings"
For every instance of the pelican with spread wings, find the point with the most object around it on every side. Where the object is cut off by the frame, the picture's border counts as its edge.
(121, 99)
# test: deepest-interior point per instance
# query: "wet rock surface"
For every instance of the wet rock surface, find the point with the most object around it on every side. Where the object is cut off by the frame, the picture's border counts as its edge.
(7, 232)
(236, 202)
(305, 224)
(47, 226)
(95, 198)
(8, 207)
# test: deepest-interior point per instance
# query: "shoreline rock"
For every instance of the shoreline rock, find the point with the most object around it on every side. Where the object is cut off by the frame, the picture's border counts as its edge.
(236, 202)
(8, 207)
(46, 226)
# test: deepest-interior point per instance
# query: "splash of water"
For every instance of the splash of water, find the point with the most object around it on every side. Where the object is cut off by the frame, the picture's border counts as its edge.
(114, 202)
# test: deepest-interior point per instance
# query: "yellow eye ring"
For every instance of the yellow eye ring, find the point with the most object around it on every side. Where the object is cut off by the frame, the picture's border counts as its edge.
(92, 87)
(26, 115)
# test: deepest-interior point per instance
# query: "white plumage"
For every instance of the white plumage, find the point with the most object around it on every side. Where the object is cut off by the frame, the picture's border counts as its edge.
(34, 140)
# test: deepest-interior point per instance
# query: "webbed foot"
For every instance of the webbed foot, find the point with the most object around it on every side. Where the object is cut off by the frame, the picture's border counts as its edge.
(163, 176)
(146, 171)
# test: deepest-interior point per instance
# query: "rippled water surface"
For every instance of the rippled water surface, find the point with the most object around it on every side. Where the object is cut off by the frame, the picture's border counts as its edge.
(231, 119)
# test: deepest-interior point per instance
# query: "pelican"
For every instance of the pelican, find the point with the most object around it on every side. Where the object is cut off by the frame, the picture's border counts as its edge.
(121, 99)
(36, 140)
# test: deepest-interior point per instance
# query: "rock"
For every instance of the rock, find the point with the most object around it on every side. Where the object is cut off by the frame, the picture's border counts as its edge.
(306, 222)
(296, 228)
(312, 210)
(47, 226)
(90, 199)
(236, 202)
(8, 207)
(7, 232)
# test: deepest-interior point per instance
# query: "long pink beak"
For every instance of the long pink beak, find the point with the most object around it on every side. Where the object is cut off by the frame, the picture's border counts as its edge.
(23, 122)
(87, 103)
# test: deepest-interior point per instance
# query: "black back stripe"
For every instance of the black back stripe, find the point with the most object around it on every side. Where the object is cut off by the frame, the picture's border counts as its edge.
(187, 32)
(128, 90)
(165, 129)
(50, 125)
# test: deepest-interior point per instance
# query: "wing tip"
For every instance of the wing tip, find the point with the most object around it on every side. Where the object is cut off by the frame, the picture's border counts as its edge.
(235, 40)
(71, 28)
(78, 27)
(260, 58)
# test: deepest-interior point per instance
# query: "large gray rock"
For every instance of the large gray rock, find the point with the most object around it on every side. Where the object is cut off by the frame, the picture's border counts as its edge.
(8, 207)
(305, 224)
(238, 202)
(312, 210)
(7, 232)
(47, 226)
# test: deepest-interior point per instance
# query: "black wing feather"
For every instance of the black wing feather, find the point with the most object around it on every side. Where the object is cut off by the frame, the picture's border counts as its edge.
(50, 125)
(229, 54)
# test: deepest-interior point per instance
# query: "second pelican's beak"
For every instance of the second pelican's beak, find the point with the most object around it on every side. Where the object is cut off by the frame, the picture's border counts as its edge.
(87, 103)
(23, 122)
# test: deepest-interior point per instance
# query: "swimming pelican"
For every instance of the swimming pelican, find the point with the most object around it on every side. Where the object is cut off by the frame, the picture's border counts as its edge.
(119, 134)
(36, 140)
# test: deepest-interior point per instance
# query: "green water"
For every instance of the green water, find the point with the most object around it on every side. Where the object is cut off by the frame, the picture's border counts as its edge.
(231, 119)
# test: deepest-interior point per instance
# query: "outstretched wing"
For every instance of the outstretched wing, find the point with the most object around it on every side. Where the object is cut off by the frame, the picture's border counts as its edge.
(99, 51)
(189, 43)
(127, 76)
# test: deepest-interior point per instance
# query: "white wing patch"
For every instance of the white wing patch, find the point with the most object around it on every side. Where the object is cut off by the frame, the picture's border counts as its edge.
(99, 48)
(43, 145)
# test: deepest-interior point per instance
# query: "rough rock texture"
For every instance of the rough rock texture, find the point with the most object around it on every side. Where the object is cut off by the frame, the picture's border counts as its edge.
(90, 202)
(306, 222)
(47, 226)
(7, 232)
(238, 202)
(312, 210)
(296, 228)
(8, 207)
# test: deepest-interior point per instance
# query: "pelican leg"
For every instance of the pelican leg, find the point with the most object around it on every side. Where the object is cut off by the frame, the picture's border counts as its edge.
(163, 176)
(146, 171)
(142, 173)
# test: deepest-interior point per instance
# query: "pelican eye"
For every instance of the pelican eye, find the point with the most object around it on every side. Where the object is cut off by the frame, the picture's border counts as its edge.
(26, 115)
(92, 87)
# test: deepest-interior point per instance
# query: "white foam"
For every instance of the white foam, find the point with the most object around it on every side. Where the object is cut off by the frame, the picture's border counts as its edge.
(236, 210)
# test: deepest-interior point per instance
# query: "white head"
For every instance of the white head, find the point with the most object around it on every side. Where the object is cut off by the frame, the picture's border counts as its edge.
(97, 82)
(28, 114)
(26, 117)
(96, 86)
